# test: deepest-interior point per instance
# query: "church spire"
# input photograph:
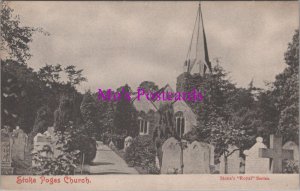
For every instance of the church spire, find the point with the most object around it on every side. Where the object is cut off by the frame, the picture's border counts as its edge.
(198, 51)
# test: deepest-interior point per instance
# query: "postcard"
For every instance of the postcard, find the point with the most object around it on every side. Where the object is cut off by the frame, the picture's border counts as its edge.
(149, 95)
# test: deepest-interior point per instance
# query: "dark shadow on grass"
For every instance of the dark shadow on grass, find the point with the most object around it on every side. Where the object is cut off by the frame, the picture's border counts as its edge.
(100, 163)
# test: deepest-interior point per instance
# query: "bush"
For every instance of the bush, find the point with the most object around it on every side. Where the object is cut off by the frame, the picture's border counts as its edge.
(142, 153)
(85, 145)
(118, 140)
(290, 167)
(72, 144)
(63, 164)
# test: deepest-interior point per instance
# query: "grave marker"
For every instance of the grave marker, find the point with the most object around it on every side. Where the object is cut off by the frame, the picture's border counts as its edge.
(253, 163)
(233, 161)
(19, 144)
(290, 145)
(196, 158)
(171, 156)
(127, 142)
(276, 153)
(6, 158)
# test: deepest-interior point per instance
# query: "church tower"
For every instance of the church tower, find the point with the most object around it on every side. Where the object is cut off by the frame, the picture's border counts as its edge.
(197, 59)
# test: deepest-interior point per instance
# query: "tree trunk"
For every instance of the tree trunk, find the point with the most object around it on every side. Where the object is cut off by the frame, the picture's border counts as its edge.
(225, 164)
(181, 158)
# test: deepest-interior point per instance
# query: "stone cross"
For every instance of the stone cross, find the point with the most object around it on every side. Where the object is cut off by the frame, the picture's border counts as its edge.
(276, 153)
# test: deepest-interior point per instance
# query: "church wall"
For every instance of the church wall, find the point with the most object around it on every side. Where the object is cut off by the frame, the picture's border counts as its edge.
(190, 117)
(182, 81)
(152, 118)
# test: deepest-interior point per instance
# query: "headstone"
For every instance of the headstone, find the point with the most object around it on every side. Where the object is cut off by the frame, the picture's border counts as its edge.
(233, 161)
(254, 163)
(196, 158)
(50, 132)
(291, 166)
(53, 141)
(171, 156)
(6, 158)
(19, 144)
(127, 142)
(111, 145)
(39, 143)
(276, 153)
(290, 145)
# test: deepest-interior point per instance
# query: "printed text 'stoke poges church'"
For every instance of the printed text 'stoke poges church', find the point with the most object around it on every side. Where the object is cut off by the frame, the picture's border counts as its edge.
(178, 117)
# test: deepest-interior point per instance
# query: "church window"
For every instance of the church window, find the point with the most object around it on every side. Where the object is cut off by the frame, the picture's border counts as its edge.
(143, 124)
(180, 124)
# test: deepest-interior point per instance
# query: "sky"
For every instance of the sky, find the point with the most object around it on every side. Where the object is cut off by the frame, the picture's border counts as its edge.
(129, 42)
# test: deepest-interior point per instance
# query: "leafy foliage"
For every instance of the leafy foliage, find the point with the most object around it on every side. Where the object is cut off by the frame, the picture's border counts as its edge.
(142, 153)
(89, 113)
(74, 76)
(64, 164)
(50, 73)
(89, 148)
(21, 92)
(71, 153)
(62, 116)
(148, 86)
(125, 118)
(286, 92)
(15, 38)
(290, 167)
(42, 120)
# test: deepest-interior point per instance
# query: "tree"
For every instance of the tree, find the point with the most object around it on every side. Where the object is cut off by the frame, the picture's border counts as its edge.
(44, 119)
(22, 91)
(105, 114)
(14, 37)
(19, 84)
(142, 153)
(62, 116)
(286, 92)
(223, 134)
(50, 73)
(89, 113)
(74, 76)
(148, 86)
(226, 116)
(125, 121)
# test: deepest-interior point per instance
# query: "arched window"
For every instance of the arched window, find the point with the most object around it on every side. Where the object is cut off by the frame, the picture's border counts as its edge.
(180, 123)
(144, 126)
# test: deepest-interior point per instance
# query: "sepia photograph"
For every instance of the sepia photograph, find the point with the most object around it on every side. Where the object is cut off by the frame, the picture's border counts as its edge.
(111, 92)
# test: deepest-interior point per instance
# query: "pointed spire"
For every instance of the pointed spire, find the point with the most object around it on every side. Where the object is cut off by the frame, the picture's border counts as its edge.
(198, 50)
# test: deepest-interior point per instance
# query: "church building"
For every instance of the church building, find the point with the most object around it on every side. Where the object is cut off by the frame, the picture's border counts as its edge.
(177, 117)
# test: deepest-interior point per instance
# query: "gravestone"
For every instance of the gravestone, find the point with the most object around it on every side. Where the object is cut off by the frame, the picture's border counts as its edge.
(19, 144)
(254, 163)
(40, 142)
(291, 166)
(127, 142)
(290, 145)
(233, 161)
(171, 156)
(196, 158)
(6, 158)
(53, 141)
(50, 132)
(276, 153)
(112, 145)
